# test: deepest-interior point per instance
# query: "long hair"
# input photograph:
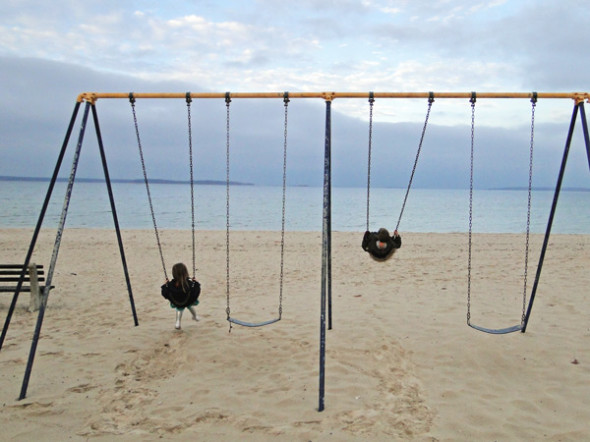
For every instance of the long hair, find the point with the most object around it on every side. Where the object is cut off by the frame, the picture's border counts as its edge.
(180, 274)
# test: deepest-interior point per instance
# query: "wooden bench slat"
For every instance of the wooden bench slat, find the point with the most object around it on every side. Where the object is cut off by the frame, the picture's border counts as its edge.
(16, 279)
(11, 289)
(17, 266)
(24, 288)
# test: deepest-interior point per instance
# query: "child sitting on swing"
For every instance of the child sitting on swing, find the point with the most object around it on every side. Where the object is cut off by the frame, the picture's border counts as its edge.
(380, 245)
(182, 292)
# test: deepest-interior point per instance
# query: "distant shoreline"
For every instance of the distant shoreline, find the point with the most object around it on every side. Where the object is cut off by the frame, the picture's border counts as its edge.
(543, 189)
(235, 183)
(119, 180)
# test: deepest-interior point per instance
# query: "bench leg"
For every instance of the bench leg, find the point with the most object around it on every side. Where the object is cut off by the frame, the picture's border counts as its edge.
(35, 300)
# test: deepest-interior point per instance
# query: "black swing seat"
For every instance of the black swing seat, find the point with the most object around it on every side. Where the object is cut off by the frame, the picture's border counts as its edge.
(252, 324)
(382, 258)
(497, 331)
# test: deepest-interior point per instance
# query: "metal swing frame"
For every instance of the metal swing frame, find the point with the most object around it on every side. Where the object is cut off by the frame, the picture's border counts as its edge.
(326, 280)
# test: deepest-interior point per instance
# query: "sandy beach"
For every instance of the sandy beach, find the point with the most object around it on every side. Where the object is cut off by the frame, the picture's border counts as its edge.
(401, 363)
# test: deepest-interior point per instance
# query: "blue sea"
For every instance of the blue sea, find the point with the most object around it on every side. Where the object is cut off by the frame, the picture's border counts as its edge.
(260, 208)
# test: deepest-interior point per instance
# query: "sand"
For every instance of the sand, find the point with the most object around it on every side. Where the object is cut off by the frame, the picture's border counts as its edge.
(401, 363)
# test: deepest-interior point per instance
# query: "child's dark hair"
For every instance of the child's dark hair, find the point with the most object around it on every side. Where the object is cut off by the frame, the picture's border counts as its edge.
(180, 274)
(383, 235)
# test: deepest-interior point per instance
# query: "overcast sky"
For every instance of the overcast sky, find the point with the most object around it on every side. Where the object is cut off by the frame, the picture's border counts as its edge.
(49, 53)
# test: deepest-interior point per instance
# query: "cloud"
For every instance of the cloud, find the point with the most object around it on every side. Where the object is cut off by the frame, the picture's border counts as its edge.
(311, 45)
(370, 45)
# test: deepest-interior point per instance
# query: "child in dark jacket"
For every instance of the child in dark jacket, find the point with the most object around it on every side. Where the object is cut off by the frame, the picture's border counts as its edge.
(380, 245)
(182, 292)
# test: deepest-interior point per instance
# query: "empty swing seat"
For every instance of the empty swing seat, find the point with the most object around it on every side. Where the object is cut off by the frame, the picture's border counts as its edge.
(252, 324)
(497, 331)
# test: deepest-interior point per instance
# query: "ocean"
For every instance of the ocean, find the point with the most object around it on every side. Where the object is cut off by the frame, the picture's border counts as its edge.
(260, 208)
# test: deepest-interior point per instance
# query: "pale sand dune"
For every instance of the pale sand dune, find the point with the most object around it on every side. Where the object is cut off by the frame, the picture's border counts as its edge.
(401, 363)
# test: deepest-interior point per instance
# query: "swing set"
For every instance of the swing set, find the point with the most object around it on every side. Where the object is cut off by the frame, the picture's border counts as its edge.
(90, 100)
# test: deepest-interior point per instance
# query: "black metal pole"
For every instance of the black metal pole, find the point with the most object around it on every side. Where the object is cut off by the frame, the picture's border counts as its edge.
(551, 215)
(329, 227)
(585, 129)
(60, 229)
(325, 253)
(39, 223)
(114, 211)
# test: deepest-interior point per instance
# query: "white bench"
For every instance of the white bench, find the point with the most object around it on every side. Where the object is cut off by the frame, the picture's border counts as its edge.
(9, 277)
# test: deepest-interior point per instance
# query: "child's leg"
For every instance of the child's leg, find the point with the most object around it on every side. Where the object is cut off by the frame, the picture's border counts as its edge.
(178, 318)
(194, 313)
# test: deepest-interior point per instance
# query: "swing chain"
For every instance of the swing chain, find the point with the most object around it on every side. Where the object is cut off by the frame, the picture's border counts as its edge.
(528, 218)
(190, 152)
(473, 100)
(430, 101)
(371, 102)
(227, 127)
(147, 186)
(286, 102)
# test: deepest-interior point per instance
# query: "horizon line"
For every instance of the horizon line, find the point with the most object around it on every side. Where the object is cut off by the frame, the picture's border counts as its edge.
(238, 183)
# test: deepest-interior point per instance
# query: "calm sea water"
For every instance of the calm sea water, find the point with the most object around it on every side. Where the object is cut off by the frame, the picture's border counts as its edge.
(259, 208)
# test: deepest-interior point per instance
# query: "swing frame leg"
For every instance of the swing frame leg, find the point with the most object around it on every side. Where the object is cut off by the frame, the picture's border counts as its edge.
(326, 279)
(114, 212)
(54, 255)
(61, 227)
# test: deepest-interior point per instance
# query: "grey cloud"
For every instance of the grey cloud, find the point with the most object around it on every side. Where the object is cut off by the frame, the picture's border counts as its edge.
(544, 39)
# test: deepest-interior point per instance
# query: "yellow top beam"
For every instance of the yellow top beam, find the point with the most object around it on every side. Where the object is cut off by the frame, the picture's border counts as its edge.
(328, 96)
